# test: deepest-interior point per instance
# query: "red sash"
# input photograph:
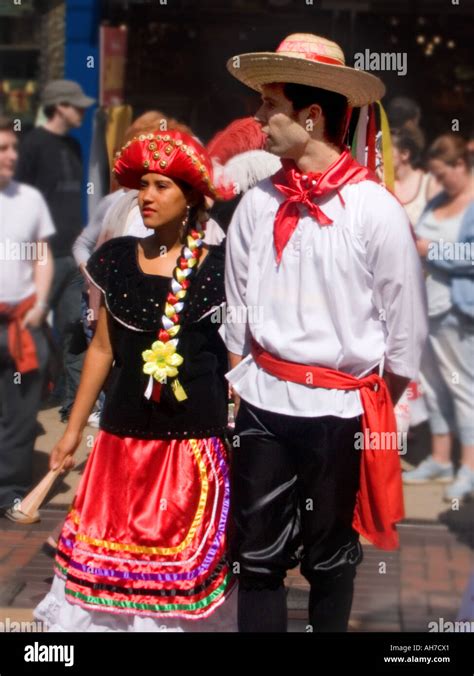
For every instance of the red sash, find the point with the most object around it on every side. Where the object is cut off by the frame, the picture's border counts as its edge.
(21, 345)
(379, 504)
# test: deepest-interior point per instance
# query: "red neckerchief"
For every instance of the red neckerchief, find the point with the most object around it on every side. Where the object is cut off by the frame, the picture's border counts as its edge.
(290, 182)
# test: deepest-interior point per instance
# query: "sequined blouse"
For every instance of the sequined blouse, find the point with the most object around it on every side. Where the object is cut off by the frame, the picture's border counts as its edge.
(135, 302)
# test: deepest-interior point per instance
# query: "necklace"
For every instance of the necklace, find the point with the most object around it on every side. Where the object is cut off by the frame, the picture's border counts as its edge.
(162, 360)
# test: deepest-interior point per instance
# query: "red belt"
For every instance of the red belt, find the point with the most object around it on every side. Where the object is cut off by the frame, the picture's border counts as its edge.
(379, 504)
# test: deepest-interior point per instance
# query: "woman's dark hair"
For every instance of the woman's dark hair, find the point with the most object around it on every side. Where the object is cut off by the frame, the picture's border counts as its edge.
(401, 110)
(406, 140)
(449, 148)
(197, 208)
(334, 107)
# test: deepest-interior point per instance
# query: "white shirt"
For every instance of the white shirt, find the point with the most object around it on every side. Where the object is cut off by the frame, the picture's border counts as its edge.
(348, 296)
(24, 221)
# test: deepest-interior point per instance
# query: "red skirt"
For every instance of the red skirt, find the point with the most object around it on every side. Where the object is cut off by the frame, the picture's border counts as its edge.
(146, 533)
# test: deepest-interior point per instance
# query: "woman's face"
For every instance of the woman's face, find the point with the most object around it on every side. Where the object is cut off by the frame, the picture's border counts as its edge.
(451, 178)
(400, 157)
(161, 200)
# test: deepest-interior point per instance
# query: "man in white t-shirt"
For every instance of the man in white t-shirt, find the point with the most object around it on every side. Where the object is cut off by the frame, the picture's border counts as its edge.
(325, 326)
(26, 270)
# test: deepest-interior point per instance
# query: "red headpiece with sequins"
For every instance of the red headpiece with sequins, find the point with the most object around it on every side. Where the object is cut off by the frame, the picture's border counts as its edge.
(173, 153)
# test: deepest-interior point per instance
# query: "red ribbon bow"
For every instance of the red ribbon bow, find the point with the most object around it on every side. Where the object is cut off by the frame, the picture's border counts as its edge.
(304, 189)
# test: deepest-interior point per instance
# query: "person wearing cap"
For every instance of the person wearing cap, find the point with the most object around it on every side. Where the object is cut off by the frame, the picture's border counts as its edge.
(144, 546)
(50, 160)
(321, 264)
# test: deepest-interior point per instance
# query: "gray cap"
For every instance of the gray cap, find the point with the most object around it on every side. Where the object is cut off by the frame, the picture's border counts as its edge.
(65, 91)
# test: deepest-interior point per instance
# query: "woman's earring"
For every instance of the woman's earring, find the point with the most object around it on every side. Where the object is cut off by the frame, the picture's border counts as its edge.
(184, 224)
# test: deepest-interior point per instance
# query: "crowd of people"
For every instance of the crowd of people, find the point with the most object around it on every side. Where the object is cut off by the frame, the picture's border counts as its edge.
(344, 294)
(436, 189)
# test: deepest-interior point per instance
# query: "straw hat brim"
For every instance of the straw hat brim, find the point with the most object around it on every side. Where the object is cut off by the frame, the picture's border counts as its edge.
(259, 68)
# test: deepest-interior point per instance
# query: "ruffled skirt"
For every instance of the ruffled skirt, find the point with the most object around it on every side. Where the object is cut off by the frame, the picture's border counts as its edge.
(143, 547)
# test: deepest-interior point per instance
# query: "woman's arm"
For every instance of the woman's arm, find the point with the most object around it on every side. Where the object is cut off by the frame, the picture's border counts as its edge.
(97, 364)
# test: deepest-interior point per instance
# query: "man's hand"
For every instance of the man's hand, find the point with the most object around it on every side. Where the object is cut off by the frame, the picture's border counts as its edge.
(236, 399)
(396, 385)
(34, 317)
(234, 359)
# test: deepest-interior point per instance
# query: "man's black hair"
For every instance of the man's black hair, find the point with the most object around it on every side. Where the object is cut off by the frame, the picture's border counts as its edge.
(333, 105)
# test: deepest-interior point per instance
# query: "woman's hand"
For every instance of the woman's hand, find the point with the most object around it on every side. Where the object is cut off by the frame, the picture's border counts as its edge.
(64, 451)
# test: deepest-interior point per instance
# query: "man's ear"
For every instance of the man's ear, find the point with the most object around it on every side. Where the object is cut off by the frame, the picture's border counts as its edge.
(315, 113)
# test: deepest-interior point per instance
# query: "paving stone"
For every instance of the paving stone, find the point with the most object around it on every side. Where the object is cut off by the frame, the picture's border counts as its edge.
(9, 589)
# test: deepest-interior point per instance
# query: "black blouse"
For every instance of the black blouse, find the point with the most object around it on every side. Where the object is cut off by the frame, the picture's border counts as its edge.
(135, 302)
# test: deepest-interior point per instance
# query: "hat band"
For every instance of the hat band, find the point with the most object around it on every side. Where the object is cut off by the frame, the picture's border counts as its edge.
(311, 56)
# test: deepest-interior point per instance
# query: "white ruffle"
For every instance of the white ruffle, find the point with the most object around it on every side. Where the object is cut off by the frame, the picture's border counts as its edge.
(59, 615)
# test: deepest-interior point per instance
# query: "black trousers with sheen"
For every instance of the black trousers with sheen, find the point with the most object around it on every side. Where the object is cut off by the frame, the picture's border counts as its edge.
(293, 489)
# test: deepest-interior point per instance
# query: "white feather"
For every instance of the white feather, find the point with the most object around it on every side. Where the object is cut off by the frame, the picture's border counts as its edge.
(246, 169)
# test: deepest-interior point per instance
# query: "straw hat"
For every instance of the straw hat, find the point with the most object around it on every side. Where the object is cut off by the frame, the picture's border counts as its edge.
(303, 58)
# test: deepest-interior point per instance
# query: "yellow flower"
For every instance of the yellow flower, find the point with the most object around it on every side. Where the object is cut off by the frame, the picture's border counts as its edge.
(162, 360)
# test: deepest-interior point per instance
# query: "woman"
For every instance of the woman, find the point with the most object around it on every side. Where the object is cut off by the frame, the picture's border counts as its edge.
(143, 547)
(413, 186)
(118, 214)
(445, 239)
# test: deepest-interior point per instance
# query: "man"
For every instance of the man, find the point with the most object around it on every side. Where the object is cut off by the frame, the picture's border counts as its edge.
(26, 270)
(314, 320)
(50, 160)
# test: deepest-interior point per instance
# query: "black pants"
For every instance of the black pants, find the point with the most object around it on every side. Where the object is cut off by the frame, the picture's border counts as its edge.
(19, 404)
(65, 301)
(294, 482)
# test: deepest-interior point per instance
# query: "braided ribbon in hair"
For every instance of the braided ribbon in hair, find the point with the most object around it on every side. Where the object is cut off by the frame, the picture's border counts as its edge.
(162, 360)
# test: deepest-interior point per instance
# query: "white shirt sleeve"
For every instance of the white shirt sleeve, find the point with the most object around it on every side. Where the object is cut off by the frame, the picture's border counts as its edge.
(86, 242)
(236, 334)
(44, 223)
(398, 285)
(214, 233)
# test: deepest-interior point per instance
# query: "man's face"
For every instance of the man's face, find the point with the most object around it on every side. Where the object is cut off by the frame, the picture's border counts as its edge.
(8, 156)
(72, 115)
(286, 130)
